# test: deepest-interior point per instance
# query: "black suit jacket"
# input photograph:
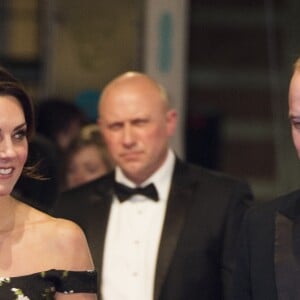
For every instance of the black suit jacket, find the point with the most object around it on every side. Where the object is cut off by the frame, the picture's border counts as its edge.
(269, 252)
(196, 253)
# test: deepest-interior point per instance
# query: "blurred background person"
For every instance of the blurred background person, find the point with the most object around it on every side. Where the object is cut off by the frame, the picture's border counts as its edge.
(86, 158)
(60, 121)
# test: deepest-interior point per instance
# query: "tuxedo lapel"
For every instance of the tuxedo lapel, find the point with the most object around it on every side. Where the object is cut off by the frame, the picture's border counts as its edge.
(287, 256)
(99, 204)
(179, 200)
(98, 219)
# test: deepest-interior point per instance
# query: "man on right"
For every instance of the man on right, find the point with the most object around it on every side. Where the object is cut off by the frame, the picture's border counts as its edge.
(268, 263)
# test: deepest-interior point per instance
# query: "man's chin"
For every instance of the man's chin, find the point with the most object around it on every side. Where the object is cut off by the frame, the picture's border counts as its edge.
(130, 170)
(130, 164)
(134, 173)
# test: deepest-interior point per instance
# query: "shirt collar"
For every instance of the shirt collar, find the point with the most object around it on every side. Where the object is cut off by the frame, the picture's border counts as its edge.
(161, 178)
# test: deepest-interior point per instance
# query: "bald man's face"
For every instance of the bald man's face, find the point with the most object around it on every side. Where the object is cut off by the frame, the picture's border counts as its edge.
(136, 125)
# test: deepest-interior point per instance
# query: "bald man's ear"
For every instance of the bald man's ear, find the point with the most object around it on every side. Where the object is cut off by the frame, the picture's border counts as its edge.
(171, 121)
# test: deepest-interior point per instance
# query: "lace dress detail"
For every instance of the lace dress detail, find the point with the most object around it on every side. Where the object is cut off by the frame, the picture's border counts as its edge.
(44, 285)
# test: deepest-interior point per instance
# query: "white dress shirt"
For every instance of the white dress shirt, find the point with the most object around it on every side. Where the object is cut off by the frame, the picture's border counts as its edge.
(133, 238)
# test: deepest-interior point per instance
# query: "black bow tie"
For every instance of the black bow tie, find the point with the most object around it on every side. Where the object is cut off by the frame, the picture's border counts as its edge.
(124, 192)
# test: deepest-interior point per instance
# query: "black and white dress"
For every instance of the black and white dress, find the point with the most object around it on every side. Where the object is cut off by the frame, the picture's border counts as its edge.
(44, 285)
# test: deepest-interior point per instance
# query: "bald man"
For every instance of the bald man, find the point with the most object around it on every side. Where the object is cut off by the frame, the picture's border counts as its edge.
(158, 228)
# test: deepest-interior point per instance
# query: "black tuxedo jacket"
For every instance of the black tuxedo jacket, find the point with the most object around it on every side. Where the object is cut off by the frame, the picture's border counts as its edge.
(268, 263)
(196, 253)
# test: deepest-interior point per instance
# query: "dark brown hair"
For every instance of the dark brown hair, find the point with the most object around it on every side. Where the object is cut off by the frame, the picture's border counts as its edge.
(16, 90)
(10, 86)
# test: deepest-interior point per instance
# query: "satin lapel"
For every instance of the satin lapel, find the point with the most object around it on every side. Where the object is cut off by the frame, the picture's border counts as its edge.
(99, 204)
(98, 218)
(296, 243)
(178, 203)
(287, 256)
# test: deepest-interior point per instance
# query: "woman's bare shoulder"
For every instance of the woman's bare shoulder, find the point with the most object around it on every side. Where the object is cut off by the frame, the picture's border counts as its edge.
(65, 239)
(61, 229)
(67, 231)
(68, 238)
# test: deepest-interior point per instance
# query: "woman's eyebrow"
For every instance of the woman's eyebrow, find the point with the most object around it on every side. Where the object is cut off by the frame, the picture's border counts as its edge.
(20, 126)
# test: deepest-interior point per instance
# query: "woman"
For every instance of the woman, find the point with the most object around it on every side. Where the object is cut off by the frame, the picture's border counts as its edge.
(40, 257)
(87, 157)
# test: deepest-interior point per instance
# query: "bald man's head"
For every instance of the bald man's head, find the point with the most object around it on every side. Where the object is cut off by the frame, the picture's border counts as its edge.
(136, 122)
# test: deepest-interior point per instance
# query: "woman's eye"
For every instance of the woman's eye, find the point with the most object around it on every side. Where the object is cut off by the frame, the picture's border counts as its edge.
(20, 135)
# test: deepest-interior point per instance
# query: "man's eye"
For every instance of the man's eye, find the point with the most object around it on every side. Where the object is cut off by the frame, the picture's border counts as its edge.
(115, 126)
(140, 122)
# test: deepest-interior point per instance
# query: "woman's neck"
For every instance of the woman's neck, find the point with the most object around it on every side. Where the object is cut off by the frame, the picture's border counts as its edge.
(8, 207)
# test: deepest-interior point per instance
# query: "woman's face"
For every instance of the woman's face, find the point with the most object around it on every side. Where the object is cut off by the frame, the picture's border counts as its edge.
(13, 143)
(85, 165)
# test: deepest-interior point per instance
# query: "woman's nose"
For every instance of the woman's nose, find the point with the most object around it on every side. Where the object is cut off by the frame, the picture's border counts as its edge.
(7, 149)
